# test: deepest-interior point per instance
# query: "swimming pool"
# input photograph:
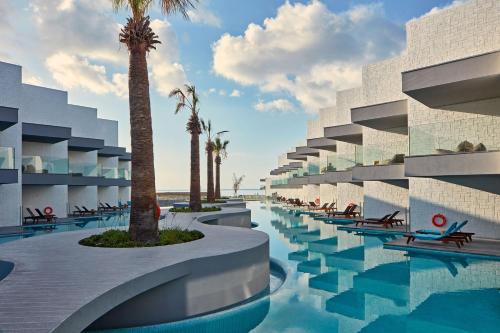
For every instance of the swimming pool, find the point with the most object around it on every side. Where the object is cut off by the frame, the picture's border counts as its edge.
(341, 282)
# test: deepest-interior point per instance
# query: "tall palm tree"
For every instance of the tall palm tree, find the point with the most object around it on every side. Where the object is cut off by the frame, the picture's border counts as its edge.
(190, 99)
(209, 148)
(139, 38)
(220, 150)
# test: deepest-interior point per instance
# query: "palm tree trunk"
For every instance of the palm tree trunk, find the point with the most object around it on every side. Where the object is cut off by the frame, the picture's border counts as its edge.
(210, 174)
(217, 178)
(143, 222)
(195, 192)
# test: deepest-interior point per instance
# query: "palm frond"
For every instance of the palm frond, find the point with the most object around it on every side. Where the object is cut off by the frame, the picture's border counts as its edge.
(179, 107)
(222, 132)
(177, 6)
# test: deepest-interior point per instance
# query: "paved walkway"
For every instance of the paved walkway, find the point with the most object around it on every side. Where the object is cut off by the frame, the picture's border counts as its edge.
(59, 286)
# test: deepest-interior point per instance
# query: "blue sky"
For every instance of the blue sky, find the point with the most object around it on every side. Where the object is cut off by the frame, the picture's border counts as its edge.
(280, 61)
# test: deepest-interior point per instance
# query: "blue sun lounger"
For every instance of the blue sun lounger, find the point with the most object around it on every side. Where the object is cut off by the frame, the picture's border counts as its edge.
(445, 237)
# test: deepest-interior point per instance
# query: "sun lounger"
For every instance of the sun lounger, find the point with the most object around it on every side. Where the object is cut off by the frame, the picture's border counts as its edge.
(458, 232)
(111, 207)
(386, 221)
(89, 211)
(31, 217)
(48, 217)
(348, 212)
(446, 237)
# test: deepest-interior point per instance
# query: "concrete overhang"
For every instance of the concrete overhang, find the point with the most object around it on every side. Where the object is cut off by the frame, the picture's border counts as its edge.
(8, 117)
(350, 133)
(335, 177)
(8, 176)
(45, 133)
(286, 186)
(125, 157)
(322, 143)
(379, 172)
(299, 180)
(84, 144)
(295, 156)
(457, 164)
(306, 151)
(460, 81)
(114, 182)
(111, 151)
(293, 166)
(382, 116)
(274, 172)
(317, 179)
(45, 179)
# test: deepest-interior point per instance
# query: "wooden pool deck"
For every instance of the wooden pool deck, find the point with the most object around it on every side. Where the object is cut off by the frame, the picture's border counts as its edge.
(479, 247)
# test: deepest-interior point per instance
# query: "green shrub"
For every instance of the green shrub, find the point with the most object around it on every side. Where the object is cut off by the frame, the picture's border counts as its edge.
(398, 158)
(465, 147)
(189, 210)
(121, 238)
(480, 147)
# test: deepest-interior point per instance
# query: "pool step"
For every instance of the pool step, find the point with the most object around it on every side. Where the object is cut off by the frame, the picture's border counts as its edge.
(310, 266)
(326, 246)
(327, 281)
(348, 303)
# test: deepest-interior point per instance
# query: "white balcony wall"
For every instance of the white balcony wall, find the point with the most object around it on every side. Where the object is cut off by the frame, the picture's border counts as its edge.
(314, 129)
(347, 99)
(327, 116)
(82, 196)
(123, 194)
(328, 193)
(37, 196)
(107, 130)
(108, 194)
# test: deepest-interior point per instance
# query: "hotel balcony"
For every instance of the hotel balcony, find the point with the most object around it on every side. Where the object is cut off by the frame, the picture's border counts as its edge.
(113, 176)
(454, 85)
(382, 164)
(455, 148)
(8, 117)
(350, 133)
(45, 170)
(339, 167)
(8, 175)
(111, 151)
(84, 174)
(294, 155)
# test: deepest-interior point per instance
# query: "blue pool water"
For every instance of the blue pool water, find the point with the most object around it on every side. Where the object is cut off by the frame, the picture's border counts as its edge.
(105, 221)
(341, 282)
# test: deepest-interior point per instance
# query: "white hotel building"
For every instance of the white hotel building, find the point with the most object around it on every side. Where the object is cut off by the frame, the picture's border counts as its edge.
(420, 135)
(54, 154)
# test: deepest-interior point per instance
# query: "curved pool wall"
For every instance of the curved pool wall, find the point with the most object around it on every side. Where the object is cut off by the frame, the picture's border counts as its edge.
(113, 288)
(5, 269)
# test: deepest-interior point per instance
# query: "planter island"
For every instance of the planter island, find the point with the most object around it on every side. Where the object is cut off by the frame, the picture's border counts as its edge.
(57, 285)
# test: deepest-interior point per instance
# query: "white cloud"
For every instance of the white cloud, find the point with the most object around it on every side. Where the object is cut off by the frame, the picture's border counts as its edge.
(274, 105)
(436, 10)
(235, 93)
(308, 51)
(203, 15)
(72, 72)
(222, 92)
(84, 34)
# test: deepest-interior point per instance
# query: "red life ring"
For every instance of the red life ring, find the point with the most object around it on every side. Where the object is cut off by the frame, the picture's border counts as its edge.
(317, 201)
(157, 211)
(48, 210)
(437, 217)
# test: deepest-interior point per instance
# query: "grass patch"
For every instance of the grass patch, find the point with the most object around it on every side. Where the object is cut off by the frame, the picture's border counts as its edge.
(189, 210)
(121, 238)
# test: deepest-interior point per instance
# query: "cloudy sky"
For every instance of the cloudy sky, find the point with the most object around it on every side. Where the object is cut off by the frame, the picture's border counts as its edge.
(262, 67)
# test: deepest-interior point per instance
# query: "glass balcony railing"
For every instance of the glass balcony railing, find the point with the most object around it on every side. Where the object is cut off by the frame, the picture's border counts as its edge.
(313, 168)
(343, 162)
(281, 181)
(388, 153)
(45, 164)
(6, 158)
(83, 169)
(110, 173)
(124, 174)
(459, 136)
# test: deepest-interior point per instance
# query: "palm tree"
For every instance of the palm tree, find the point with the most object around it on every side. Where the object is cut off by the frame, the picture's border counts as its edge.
(237, 183)
(209, 147)
(139, 38)
(189, 99)
(220, 150)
